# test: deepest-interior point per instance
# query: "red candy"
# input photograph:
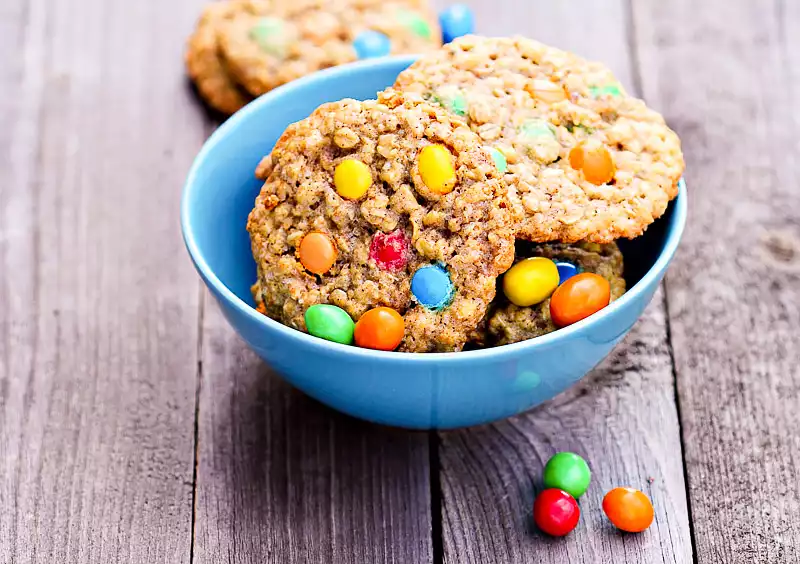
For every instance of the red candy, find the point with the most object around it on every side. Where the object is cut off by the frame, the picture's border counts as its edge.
(556, 512)
(390, 251)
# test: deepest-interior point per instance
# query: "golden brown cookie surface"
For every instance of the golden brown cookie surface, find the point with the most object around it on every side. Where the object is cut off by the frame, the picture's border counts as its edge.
(585, 160)
(374, 203)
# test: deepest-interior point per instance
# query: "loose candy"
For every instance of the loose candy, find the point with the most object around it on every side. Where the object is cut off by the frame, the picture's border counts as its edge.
(546, 91)
(389, 251)
(317, 252)
(436, 169)
(415, 23)
(530, 281)
(569, 472)
(566, 270)
(628, 509)
(432, 287)
(556, 512)
(381, 328)
(578, 298)
(352, 179)
(594, 160)
(456, 20)
(499, 160)
(370, 44)
(330, 323)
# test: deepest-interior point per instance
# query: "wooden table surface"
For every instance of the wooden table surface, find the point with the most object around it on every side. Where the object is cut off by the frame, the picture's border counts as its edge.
(136, 428)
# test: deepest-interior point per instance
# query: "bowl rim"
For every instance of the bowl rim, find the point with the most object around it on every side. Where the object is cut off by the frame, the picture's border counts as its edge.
(677, 223)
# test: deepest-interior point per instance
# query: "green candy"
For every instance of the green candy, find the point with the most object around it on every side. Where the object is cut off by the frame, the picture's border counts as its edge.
(269, 33)
(536, 128)
(607, 90)
(454, 102)
(330, 323)
(499, 160)
(414, 22)
(569, 472)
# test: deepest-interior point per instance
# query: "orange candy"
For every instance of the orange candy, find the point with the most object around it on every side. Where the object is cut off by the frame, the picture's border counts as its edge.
(546, 91)
(579, 297)
(317, 252)
(381, 328)
(628, 509)
(594, 160)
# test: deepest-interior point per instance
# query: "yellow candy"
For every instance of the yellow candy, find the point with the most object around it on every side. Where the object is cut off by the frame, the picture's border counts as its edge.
(530, 281)
(352, 179)
(436, 169)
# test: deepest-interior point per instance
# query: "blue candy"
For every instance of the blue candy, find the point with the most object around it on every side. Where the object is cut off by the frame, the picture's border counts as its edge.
(457, 20)
(566, 270)
(370, 44)
(431, 287)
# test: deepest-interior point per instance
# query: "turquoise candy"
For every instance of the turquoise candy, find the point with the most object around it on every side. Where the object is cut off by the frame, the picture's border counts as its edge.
(330, 323)
(499, 160)
(270, 35)
(432, 287)
(607, 90)
(534, 128)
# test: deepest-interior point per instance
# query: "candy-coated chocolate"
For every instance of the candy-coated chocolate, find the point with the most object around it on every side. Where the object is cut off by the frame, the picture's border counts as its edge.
(381, 328)
(556, 512)
(414, 22)
(499, 160)
(530, 281)
(578, 298)
(594, 160)
(317, 252)
(370, 43)
(546, 91)
(566, 270)
(432, 287)
(389, 251)
(436, 169)
(534, 128)
(628, 509)
(330, 323)
(269, 34)
(569, 472)
(607, 90)
(352, 179)
(456, 20)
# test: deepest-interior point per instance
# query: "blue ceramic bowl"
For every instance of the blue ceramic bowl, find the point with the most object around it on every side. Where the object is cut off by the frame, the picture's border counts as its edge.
(408, 390)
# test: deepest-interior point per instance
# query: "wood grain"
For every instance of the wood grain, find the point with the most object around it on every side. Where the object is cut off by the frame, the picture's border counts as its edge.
(622, 419)
(731, 86)
(282, 478)
(98, 335)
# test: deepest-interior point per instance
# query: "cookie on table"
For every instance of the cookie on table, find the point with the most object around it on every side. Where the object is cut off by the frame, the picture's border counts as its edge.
(299, 37)
(204, 63)
(585, 160)
(507, 323)
(389, 203)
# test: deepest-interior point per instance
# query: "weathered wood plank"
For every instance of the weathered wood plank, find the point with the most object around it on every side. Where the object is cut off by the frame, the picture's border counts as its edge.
(622, 419)
(98, 333)
(282, 478)
(725, 73)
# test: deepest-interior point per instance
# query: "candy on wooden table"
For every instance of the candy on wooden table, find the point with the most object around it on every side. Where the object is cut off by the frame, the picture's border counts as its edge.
(594, 160)
(569, 472)
(436, 169)
(556, 512)
(628, 509)
(317, 252)
(456, 20)
(530, 281)
(432, 287)
(381, 328)
(370, 44)
(330, 322)
(578, 298)
(352, 179)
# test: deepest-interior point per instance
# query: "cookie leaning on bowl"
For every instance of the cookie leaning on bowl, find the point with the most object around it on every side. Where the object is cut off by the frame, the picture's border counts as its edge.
(586, 161)
(390, 203)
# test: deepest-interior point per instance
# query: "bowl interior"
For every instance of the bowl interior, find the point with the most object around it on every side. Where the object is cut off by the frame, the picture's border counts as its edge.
(224, 187)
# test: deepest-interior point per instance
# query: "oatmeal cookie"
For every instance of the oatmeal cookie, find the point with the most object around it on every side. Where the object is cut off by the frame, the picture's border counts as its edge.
(390, 203)
(507, 323)
(299, 37)
(585, 160)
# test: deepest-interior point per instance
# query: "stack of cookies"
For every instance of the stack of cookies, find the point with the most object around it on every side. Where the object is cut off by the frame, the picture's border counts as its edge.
(244, 48)
(475, 202)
